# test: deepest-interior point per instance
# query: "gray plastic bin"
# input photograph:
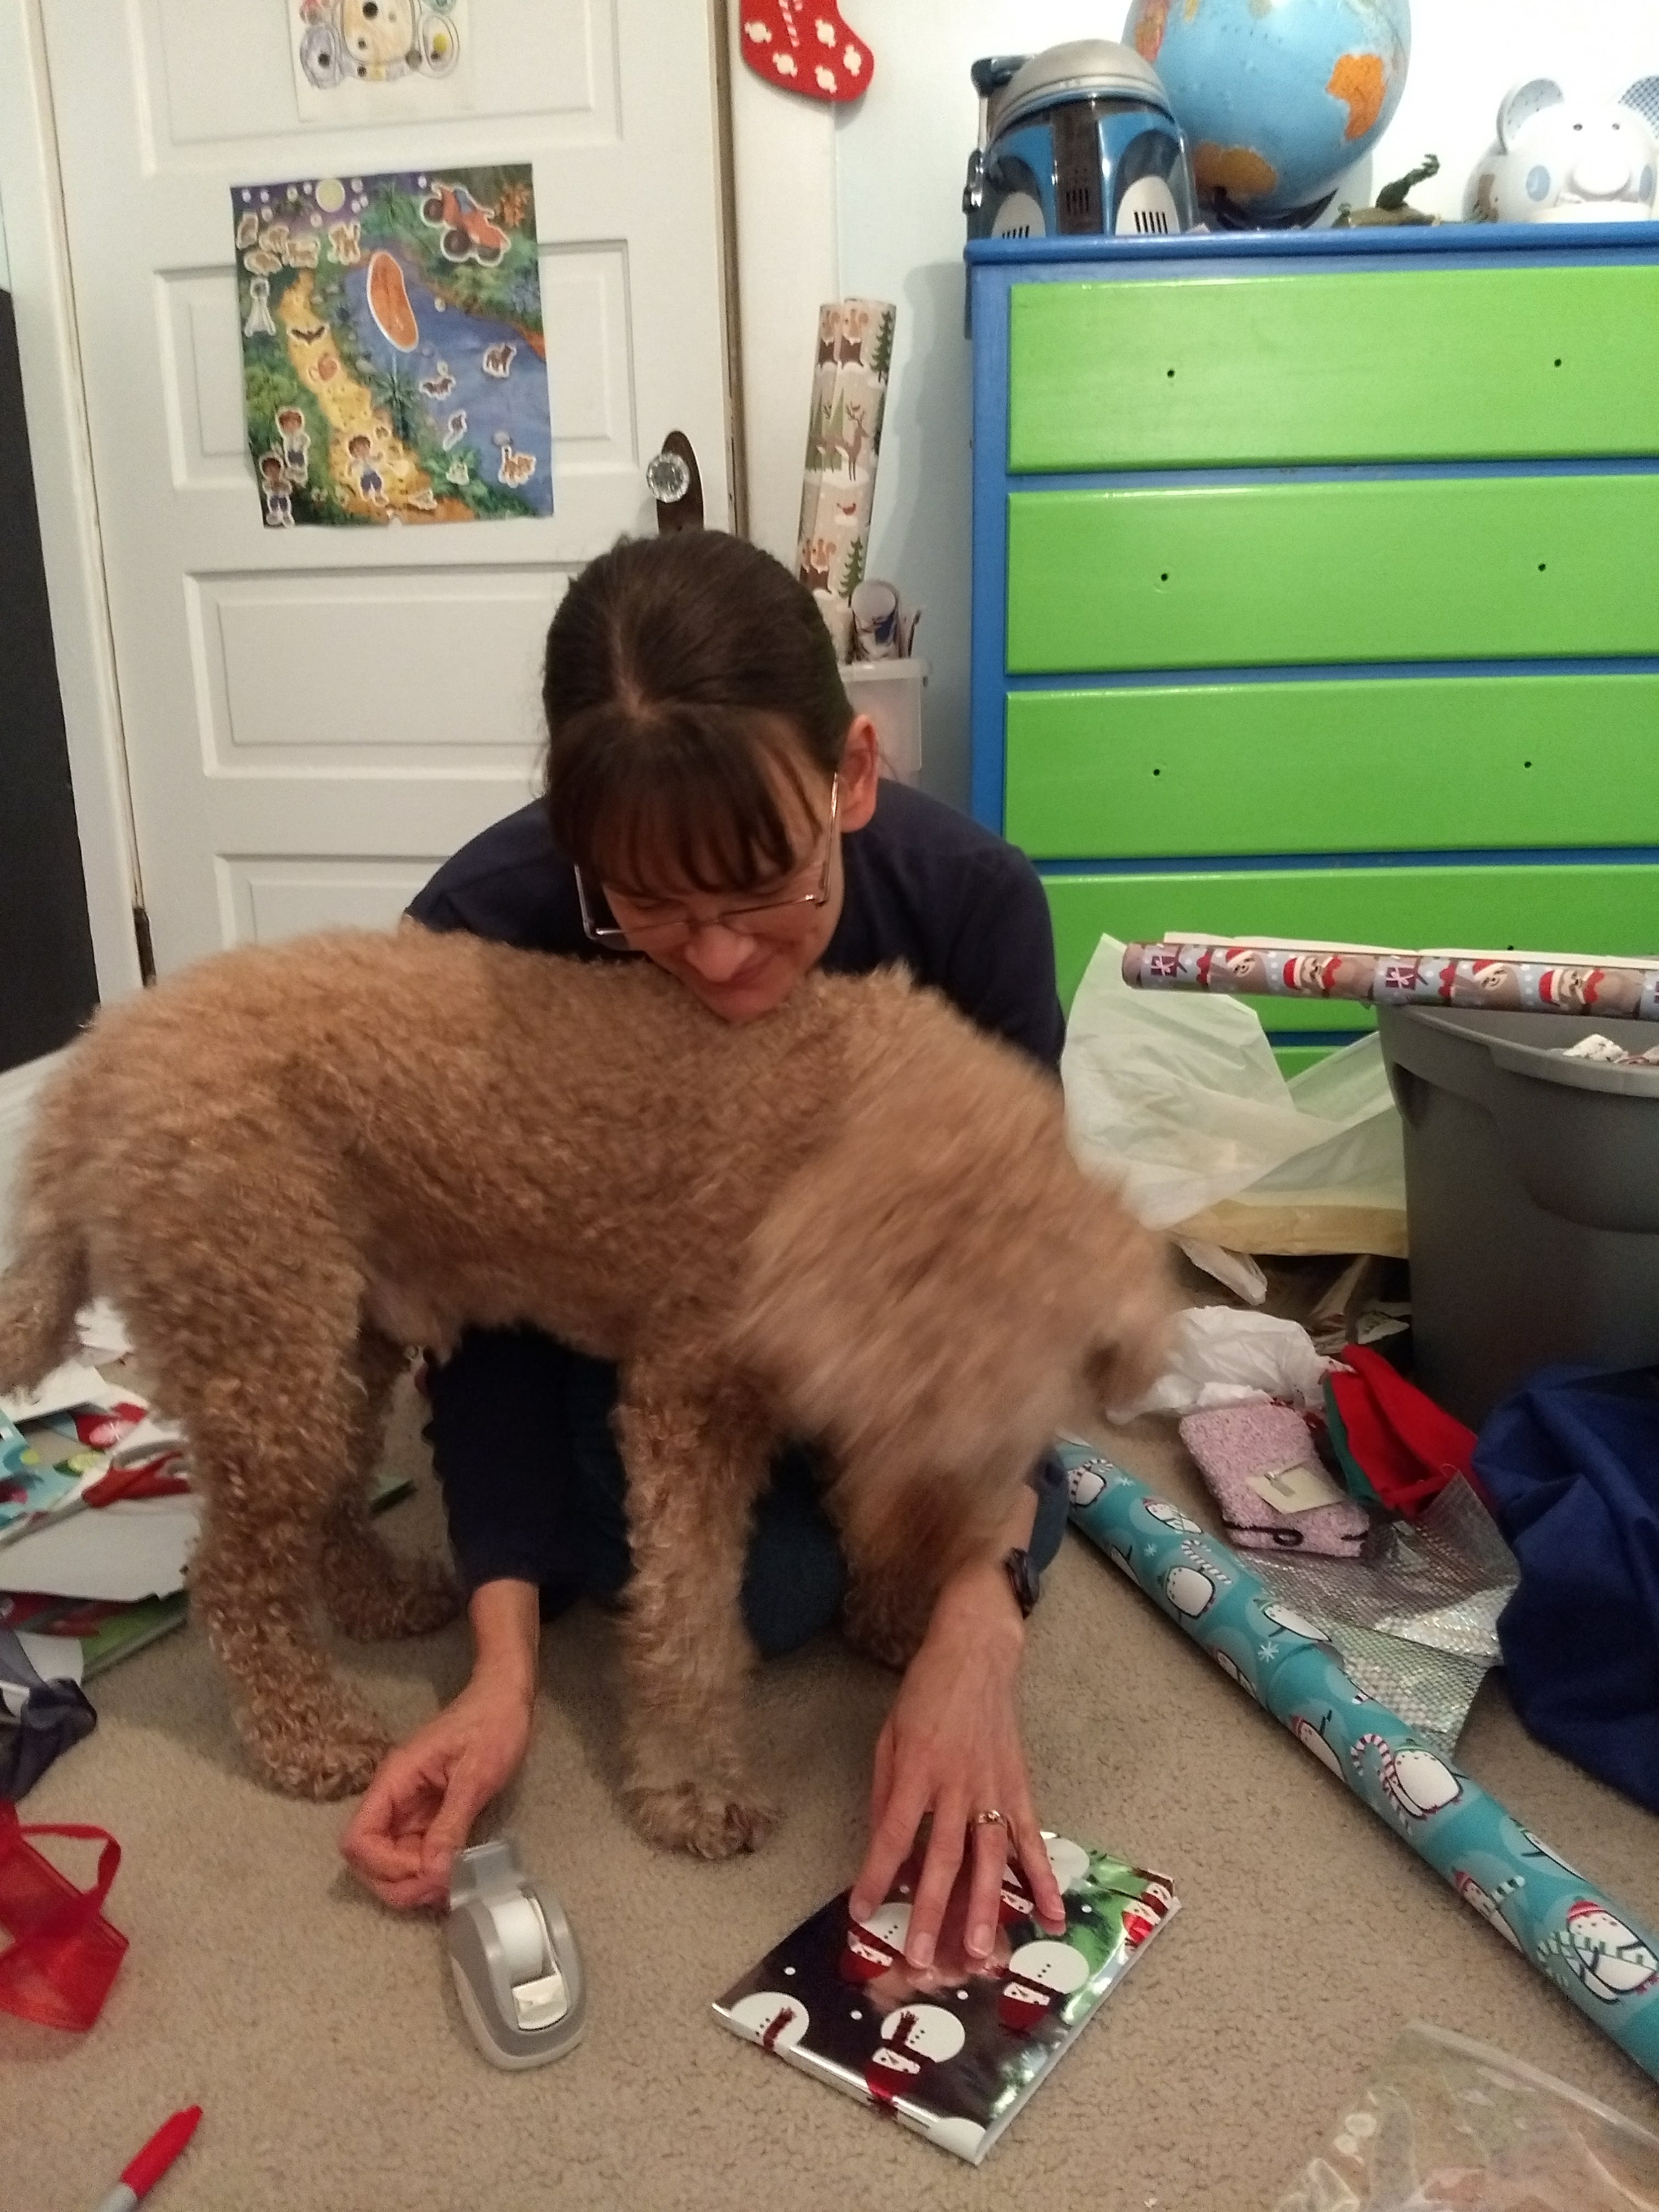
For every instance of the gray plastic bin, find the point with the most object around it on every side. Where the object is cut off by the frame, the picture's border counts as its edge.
(1531, 1197)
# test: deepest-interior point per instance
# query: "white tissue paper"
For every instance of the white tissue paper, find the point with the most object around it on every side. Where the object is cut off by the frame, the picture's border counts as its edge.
(1223, 1357)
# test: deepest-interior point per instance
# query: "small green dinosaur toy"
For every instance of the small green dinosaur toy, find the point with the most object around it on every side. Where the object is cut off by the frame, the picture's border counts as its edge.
(1391, 206)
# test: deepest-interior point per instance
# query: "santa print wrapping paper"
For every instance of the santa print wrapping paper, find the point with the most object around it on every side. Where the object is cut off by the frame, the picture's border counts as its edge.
(953, 2051)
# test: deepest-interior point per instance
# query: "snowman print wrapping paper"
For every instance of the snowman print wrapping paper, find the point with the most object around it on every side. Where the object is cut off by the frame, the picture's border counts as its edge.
(953, 2051)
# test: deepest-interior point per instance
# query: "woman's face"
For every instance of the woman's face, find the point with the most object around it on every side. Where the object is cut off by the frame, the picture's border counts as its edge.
(746, 969)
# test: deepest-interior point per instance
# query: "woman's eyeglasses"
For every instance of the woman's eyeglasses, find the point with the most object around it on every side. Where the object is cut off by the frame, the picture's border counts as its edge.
(658, 932)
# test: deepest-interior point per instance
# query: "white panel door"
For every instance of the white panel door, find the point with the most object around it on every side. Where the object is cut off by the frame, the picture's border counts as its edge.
(315, 717)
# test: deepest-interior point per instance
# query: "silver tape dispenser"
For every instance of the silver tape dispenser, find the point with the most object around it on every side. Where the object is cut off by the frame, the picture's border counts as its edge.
(518, 1972)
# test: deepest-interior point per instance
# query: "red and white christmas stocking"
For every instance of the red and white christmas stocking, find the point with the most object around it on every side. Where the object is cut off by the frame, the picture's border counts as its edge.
(803, 45)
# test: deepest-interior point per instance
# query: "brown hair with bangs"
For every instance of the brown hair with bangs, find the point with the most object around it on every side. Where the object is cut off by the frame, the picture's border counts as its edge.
(688, 678)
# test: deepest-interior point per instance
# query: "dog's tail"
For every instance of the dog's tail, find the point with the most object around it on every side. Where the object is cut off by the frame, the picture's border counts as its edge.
(47, 1280)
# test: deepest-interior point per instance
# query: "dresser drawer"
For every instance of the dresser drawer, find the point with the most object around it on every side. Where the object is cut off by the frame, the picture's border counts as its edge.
(1606, 908)
(1402, 569)
(1412, 763)
(1444, 364)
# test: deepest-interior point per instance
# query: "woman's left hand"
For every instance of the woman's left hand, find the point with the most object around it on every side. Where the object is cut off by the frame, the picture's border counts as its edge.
(951, 1748)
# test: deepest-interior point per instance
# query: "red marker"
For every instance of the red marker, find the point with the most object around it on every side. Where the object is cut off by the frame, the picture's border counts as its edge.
(152, 2162)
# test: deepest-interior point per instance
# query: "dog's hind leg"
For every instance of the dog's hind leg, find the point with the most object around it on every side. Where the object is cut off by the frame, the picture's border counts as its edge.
(697, 1460)
(269, 1445)
(373, 1592)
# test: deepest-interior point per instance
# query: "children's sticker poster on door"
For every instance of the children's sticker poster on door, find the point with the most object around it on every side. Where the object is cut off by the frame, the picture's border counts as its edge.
(379, 61)
(394, 366)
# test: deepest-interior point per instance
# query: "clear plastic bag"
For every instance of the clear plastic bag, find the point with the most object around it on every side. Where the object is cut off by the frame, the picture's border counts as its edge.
(1177, 1094)
(1445, 2121)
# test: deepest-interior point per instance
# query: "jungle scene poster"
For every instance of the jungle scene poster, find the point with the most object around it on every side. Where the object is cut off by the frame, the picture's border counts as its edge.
(394, 362)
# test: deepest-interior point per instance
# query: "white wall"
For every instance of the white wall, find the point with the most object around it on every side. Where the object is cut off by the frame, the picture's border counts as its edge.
(894, 229)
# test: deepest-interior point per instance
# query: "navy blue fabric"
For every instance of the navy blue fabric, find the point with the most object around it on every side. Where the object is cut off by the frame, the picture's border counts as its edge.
(55, 1714)
(552, 1406)
(1572, 1463)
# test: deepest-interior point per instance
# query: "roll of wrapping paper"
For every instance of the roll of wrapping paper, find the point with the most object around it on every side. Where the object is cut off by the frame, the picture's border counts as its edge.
(843, 443)
(1503, 981)
(1588, 1945)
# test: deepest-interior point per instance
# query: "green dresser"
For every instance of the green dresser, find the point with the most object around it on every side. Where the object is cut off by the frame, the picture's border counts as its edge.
(1317, 587)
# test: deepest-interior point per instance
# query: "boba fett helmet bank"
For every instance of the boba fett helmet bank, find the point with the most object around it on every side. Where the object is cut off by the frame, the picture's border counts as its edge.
(1078, 141)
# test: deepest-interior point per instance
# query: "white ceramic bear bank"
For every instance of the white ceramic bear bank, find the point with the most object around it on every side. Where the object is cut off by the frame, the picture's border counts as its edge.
(1563, 160)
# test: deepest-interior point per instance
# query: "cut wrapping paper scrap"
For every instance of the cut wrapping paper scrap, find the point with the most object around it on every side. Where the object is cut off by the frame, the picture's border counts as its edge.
(74, 1383)
(1443, 2120)
(1603, 1050)
(1596, 1952)
(1544, 982)
(1178, 1097)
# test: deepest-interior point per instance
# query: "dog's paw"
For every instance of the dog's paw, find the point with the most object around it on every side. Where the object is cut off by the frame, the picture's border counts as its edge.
(405, 1597)
(709, 1823)
(322, 1758)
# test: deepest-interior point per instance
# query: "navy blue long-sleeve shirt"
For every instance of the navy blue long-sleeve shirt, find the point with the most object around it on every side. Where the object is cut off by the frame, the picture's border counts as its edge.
(925, 886)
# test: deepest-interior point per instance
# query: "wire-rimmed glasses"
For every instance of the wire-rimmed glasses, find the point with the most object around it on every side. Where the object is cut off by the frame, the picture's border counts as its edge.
(664, 932)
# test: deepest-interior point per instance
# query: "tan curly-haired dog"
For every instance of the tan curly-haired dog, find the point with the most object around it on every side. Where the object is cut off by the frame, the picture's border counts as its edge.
(856, 1218)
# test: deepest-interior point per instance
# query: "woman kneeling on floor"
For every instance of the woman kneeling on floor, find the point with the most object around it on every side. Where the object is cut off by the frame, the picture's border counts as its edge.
(713, 805)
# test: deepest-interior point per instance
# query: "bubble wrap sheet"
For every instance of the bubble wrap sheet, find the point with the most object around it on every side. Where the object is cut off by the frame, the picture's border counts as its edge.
(1416, 1617)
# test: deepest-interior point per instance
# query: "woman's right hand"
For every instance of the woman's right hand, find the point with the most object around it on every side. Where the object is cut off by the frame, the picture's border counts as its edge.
(418, 1810)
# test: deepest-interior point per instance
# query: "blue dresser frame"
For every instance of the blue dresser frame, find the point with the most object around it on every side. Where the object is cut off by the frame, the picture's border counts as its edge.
(994, 266)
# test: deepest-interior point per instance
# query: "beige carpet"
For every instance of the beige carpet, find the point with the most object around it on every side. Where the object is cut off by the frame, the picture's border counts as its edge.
(322, 2037)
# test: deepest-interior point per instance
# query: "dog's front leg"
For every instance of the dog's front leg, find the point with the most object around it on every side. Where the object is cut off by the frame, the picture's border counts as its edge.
(698, 1456)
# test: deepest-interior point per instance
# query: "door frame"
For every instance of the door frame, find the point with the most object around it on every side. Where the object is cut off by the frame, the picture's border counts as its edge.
(60, 451)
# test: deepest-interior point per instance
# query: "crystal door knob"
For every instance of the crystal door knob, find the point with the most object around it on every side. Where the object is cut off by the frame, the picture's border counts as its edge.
(672, 480)
(667, 478)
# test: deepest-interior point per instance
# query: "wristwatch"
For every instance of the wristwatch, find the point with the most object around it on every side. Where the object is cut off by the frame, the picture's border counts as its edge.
(1022, 1579)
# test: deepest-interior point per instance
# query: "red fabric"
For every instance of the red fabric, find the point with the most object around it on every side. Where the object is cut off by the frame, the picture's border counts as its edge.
(1409, 1447)
(803, 45)
(63, 1953)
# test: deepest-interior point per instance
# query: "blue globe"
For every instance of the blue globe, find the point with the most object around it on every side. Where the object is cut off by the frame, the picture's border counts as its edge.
(1277, 97)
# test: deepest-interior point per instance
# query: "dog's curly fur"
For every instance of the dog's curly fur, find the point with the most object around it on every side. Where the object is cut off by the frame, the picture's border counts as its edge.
(856, 1218)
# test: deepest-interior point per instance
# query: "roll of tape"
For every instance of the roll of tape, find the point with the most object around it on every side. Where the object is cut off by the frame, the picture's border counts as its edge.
(522, 1937)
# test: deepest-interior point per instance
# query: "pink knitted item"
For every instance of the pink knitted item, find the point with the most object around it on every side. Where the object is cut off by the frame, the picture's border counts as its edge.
(1231, 1443)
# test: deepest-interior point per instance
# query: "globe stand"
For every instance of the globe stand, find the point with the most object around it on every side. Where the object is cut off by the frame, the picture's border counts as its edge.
(1228, 215)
